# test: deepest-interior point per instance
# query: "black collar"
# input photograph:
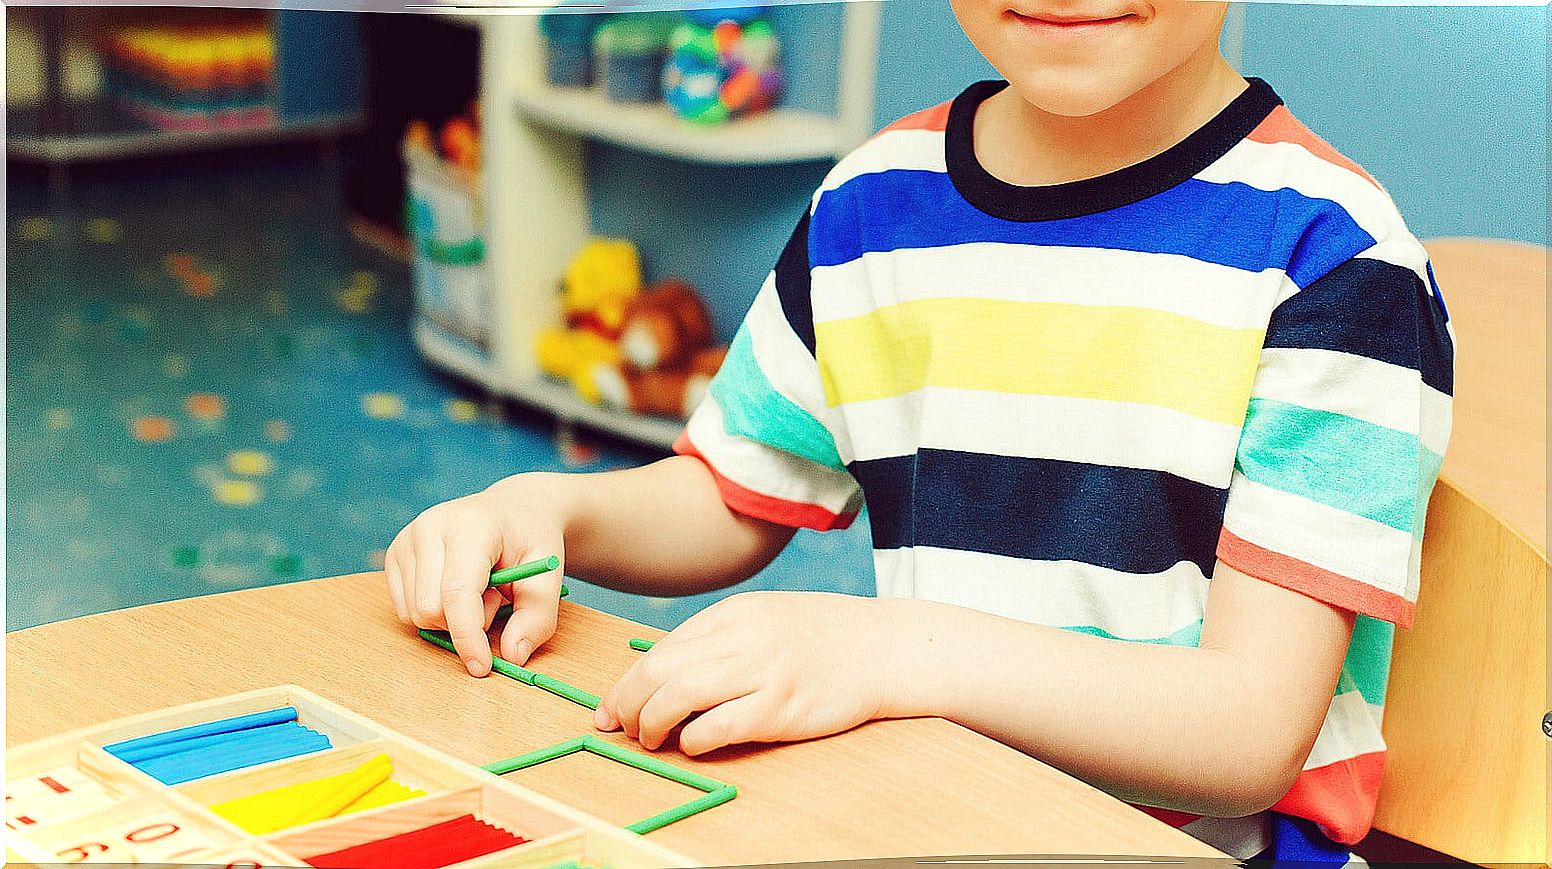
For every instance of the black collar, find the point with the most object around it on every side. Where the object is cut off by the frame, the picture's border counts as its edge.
(1092, 195)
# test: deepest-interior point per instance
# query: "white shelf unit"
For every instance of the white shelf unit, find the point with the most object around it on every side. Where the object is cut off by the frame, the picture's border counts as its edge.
(536, 190)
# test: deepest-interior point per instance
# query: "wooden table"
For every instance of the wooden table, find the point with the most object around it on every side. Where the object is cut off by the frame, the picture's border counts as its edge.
(921, 787)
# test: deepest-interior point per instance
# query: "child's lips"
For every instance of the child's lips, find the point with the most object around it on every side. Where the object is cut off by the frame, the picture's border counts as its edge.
(1062, 26)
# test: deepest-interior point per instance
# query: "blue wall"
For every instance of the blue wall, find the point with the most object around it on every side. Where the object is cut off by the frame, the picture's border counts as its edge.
(1446, 106)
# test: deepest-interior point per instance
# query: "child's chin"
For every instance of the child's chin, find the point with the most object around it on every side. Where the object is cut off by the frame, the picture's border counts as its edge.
(1069, 92)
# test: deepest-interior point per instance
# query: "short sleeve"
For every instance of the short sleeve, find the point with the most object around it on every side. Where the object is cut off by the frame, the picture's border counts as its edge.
(762, 428)
(1343, 437)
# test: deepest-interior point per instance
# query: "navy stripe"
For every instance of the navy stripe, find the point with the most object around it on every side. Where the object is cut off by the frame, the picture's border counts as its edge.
(1370, 308)
(1128, 519)
(1230, 224)
(794, 284)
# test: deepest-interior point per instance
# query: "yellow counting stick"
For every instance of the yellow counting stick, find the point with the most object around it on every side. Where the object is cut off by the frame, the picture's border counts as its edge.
(382, 795)
(277, 809)
(346, 790)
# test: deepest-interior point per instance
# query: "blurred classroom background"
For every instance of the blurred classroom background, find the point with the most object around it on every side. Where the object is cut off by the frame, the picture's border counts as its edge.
(252, 331)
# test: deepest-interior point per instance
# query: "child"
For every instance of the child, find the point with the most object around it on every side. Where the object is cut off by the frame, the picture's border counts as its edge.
(1080, 341)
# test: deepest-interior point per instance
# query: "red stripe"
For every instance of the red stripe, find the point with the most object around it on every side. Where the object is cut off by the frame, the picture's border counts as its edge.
(935, 118)
(54, 785)
(1340, 796)
(793, 514)
(1282, 126)
(1318, 583)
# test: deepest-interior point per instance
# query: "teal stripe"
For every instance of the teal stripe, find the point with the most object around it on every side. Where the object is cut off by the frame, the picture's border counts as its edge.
(752, 408)
(1367, 667)
(1365, 469)
(1190, 635)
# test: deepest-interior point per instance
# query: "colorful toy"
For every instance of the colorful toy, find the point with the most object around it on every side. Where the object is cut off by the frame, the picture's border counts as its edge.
(665, 326)
(663, 391)
(194, 75)
(666, 358)
(569, 36)
(629, 49)
(599, 283)
(573, 355)
(720, 69)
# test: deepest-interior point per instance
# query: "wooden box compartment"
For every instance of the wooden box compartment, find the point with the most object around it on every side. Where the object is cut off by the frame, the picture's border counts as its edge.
(159, 828)
(146, 821)
(412, 767)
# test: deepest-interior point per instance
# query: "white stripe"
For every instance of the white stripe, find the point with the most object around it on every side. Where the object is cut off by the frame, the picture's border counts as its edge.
(1351, 728)
(1353, 546)
(1094, 431)
(894, 149)
(1435, 418)
(768, 471)
(1356, 386)
(1289, 165)
(1173, 283)
(1057, 593)
(788, 365)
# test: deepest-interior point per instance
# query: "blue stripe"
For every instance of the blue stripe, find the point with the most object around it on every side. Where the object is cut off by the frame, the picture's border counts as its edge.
(1230, 224)
(1190, 635)
(1128, 519)
(1370, 308)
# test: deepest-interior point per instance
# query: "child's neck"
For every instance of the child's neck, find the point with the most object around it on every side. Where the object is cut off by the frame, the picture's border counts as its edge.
(1022, 144)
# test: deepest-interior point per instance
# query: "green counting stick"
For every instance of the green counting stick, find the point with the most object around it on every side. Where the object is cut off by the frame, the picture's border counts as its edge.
(522, 674)
(524, 570)
(641, 645)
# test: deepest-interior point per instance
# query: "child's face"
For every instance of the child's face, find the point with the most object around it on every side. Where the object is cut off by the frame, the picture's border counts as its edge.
(1081, 57)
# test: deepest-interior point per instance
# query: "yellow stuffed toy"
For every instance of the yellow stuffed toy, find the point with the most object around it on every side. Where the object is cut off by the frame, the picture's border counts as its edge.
(599, 284)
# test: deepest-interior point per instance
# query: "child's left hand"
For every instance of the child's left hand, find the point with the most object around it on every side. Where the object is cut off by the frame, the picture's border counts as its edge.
(759, 667)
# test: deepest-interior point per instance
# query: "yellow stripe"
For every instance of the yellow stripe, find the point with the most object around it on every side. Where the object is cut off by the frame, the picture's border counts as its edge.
(1116, 353)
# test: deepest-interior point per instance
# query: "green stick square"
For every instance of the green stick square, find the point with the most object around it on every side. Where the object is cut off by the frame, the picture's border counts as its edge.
(715, 793)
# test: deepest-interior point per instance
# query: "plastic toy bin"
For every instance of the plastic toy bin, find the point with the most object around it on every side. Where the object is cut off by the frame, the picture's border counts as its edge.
(445, 222)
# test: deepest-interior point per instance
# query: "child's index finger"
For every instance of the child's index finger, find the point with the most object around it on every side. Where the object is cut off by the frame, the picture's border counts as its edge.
(523, 571)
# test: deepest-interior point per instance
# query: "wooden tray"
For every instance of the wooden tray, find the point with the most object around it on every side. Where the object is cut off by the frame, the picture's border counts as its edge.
(142, 820)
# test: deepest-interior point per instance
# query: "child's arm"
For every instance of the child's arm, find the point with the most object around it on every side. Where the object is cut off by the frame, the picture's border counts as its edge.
(664, 526)
(1218, 730)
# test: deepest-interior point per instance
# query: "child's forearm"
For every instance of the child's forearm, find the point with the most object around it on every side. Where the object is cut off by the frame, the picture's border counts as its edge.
(1201, 730)
(661, 529)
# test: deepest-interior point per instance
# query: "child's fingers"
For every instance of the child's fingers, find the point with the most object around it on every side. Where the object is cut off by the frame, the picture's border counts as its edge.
(465, 578)
(493, 599)
(426, 600)
(394, 572)
(535, 611)
(692, 690)
(742, 719)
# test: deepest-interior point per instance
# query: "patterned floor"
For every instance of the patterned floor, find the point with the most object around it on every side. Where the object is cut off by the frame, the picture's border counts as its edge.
(211, 387)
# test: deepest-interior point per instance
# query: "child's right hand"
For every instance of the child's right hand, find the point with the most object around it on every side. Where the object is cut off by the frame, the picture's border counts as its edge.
(439, 569)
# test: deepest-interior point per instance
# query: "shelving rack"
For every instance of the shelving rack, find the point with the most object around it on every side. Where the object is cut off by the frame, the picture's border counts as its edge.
(61, 130)
(535, 189)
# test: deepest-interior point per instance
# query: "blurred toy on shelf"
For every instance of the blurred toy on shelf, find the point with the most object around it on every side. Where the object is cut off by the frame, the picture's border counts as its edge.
(445, 222)
(568, 36)
(186, 75)
(645, 350)
(629, 49)
(722, 63)
(667, 357)
(599, 283)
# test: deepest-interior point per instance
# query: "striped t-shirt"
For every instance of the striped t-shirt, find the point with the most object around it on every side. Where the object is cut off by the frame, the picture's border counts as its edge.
(1065, 404)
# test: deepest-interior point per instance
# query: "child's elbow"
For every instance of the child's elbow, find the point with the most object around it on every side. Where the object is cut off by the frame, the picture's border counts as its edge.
(1257, 784)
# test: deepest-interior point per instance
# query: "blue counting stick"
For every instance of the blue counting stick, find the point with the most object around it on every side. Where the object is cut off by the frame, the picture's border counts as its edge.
(189, 765)
(209, 728)
(138, 755)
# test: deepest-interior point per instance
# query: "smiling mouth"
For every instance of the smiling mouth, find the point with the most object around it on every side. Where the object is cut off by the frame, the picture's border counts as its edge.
(1059, 23)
